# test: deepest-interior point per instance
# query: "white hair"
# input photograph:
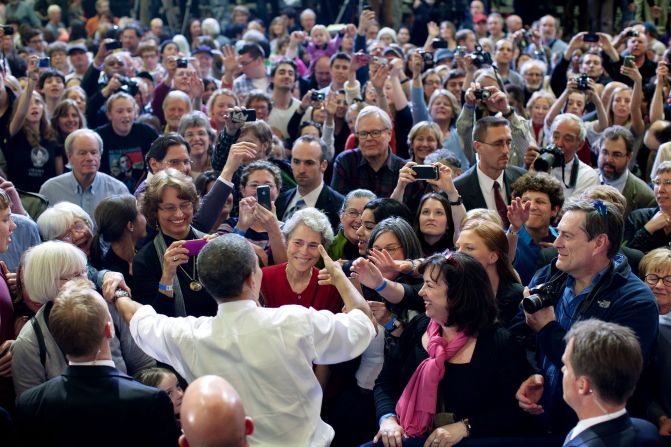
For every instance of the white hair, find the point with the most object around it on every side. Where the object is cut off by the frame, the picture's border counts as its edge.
(314, 220)
(531, 63)
(182, 44)
(211, 27)
(57, 220)
(387, 31)
(373, 110)
(582, 132)
(45, 264)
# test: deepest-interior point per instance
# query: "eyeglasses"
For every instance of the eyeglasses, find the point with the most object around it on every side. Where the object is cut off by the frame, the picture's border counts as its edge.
(176, 163)
(80, 274)
(184, 207)
(653, 279)
(659, 182)
(615, 155)
(500, 144)
(373, 133)
(432, 82)
(245, 63)
(76, 228)
(389, 248)
(353, 213)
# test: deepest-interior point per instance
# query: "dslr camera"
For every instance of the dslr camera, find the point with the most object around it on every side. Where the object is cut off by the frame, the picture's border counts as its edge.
(129, 86)
(545, 295)
(633, 33)
(426, 57)
(481, 57)
(582, 81)
(550, 157)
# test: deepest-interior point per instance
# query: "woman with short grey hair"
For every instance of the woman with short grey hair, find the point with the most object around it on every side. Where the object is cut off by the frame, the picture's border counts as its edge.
(295, 281)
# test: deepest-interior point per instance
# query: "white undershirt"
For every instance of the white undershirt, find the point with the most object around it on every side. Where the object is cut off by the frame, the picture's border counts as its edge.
(584, 424)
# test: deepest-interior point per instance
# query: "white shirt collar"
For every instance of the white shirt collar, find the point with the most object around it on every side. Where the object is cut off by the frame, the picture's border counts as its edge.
(94, 363)
(487, 187)
(309, 198)
(618, 183)
(584, 424)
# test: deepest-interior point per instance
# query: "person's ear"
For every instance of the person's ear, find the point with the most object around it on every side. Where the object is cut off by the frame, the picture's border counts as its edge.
(555, 211)
(323, 166)
(183, 442)
(249, 426)
(154, 165)
(109, 329)
(130, 226)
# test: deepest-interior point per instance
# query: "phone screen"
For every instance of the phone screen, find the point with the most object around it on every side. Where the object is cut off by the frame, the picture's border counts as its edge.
(263, 196)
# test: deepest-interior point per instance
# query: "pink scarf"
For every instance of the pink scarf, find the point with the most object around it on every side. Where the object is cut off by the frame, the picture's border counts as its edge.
(417, 405)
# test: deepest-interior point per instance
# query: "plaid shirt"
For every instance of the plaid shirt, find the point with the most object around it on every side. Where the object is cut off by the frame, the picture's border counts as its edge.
(243, 84)
(352, 171)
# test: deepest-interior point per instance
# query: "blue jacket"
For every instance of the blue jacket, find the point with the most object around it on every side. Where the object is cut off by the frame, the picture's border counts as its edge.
(618, 297)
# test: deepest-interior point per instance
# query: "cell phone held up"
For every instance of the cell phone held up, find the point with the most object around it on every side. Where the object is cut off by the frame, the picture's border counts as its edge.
(44, 62)
(194, 246)
(263, 196)
(628, 61)
(244, 116)
(590, 38)
(114, 45)
(425, 172)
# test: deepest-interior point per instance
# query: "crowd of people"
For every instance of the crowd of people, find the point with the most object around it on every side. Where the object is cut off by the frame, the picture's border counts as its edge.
(450, 230)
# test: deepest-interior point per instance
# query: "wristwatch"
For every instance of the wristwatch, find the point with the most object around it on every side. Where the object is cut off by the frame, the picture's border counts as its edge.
(457, 203)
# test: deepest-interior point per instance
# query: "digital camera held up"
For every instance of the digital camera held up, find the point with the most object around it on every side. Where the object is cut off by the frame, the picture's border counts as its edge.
(550, 157)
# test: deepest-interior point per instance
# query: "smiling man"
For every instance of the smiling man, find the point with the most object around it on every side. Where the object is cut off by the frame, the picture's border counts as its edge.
(308, 164)
(84, 185)
(372, 165)
(589, 279)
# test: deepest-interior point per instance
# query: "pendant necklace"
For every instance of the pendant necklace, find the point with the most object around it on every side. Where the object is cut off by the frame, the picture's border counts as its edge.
(194, 284)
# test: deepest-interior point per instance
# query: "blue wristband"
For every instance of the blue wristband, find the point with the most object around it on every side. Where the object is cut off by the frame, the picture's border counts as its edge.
(385, 416)
(389, 326)
(238, 231)
(382, 287)
(469, 106)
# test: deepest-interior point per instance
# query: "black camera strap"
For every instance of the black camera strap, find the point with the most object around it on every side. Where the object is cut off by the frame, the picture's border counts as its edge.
(574, 172)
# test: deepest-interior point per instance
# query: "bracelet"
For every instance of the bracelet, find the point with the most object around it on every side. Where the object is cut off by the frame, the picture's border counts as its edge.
(469, 106)
(238, 231)
(414, 265)
(509, 113)
(511, 231)
(164, 287)
(381, 287)
(390, 325)
(404, 81)
(385, 416)
(458, 202)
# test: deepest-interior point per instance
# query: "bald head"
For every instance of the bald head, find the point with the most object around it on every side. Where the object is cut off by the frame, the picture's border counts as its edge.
(212, 415)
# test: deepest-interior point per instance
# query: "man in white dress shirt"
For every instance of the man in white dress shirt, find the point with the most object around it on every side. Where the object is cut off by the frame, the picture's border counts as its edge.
(266, 354)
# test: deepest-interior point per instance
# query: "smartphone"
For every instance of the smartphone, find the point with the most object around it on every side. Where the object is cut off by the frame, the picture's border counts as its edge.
(366, 7)
(250, 115)
(438, 43)
(628, 61)
(115, 45)
(590, 37)
(380, 60)
(263, 196)
(425, 172)
(362, 58)
(44, 62)
(317, 96)
(8, 30)
(194, 246)
(182, 63)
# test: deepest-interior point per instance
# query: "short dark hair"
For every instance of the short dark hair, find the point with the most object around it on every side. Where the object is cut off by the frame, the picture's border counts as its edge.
(614, 133)
(253, 49)
(384, 207)
(159, 148)
(312, 139)
(134, 27)
(339, 55)
(609, 355)
(77, 320)
(483, 124)
(471, 308)
(111, 216)
(601, 217)
(540, 182)
(49, 73)
(284, 61)
(224, 264)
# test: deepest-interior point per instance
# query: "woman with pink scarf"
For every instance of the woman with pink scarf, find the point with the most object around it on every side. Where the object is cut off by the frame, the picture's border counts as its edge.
(454, 372)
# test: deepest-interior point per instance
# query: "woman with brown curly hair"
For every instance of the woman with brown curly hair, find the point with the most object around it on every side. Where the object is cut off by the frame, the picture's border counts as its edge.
(165, 275)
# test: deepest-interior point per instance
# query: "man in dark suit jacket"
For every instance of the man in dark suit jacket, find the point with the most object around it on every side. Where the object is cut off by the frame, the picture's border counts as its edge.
(92, 403)
(308, 164)
(492, 138)
(602, 363)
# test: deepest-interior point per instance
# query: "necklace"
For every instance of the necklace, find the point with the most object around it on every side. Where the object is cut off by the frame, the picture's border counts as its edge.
(194, 284)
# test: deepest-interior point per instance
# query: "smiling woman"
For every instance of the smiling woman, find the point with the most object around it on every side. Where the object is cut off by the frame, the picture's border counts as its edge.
(165, 271)
(295, 281)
